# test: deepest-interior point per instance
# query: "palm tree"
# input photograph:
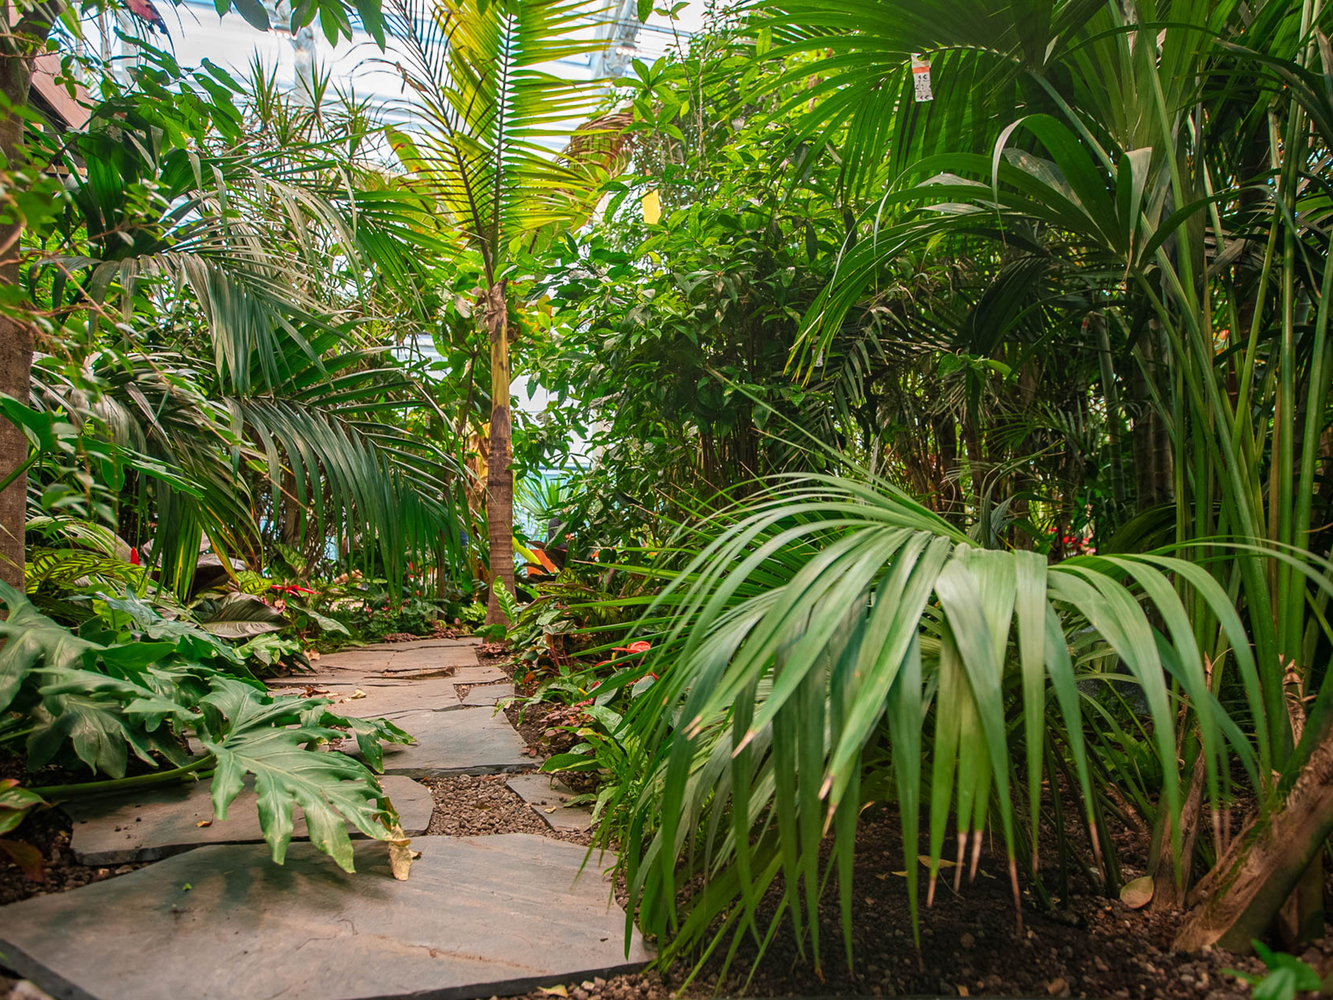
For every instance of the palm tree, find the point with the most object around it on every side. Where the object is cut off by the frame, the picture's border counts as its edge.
(24, 41)
(250, 375)
(490, 113)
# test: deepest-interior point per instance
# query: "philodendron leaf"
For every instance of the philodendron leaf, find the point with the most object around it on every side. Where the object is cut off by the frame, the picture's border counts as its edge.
(191, 641)
(15, 802)
(253, 733)
(326, 623)
(239, 616)
(369, 733)
(96, 726)
(33, 642)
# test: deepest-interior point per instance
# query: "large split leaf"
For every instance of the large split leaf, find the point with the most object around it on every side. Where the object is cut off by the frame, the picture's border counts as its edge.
(369, 733)
(265, 736)
(190, 640)
(33, 642)
(97, 728)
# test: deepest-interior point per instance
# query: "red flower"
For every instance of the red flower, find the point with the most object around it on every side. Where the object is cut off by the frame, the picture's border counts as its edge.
(634, 647)
(134, 557)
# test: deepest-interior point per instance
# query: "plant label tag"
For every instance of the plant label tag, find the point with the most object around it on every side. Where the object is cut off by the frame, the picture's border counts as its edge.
(921, 78)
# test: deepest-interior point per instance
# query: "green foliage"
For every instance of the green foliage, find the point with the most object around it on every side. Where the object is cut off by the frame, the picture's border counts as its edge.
(506, 600)
(143, 683)
(379, 615)
(15, 803)
(1286, 976)
(610, 750)
(824, 615)
(273, 740)
(247, 393)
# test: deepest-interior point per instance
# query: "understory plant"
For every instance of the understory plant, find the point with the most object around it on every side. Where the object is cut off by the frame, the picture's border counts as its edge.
(131, 683)
(827, 618)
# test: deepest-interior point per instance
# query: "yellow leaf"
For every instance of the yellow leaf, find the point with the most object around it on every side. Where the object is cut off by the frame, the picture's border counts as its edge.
(553, 991)
(204, 822)
(401, 854)
(652, 207)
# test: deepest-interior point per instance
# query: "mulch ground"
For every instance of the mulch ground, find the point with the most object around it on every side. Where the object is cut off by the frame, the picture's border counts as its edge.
(477, 805)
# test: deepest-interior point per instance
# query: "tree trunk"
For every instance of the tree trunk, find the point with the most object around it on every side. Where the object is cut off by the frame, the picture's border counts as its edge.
(499, 475)
(15, 336)
(1254, 877)
(1150, 440)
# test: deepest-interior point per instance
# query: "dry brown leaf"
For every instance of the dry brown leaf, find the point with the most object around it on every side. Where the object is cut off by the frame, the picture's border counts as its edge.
(1138, 893)
(401, 854)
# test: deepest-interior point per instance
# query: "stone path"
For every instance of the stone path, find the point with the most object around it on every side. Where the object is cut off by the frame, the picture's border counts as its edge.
(217, 920)
(550, 798)
(158, 822)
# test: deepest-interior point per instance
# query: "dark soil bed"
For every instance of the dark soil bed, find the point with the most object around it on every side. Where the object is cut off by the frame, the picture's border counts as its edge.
(1088, 947)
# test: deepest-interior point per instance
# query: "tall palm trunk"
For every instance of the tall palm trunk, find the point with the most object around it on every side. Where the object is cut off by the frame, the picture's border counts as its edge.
(499, 475)
(15, 337)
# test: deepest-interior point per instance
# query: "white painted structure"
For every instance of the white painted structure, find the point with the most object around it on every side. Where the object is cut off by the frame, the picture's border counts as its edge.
(198, 33)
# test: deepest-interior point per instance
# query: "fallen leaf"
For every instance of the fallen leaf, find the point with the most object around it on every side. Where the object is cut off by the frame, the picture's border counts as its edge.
(553, 991)
(27, 857)
(187, 887)
(358, 693)
(1056, 986)
(312, 654)
(962, 992)
(552, 809)
(1138, 893)
(401, 855)
(204, 822)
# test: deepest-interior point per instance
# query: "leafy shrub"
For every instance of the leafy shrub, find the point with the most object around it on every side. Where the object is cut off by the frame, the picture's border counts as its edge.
(135, 682)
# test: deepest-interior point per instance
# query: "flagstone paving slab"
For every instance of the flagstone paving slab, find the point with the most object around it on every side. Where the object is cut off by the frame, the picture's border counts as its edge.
(479, 675)
(432, 643)
(479, 916)
(429, 658)
(465, 741)
(155, 823)
(487, 695)
(549, 799)
(373, 701)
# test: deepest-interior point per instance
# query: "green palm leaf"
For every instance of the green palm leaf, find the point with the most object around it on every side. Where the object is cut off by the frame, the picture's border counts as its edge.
(781, 672)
